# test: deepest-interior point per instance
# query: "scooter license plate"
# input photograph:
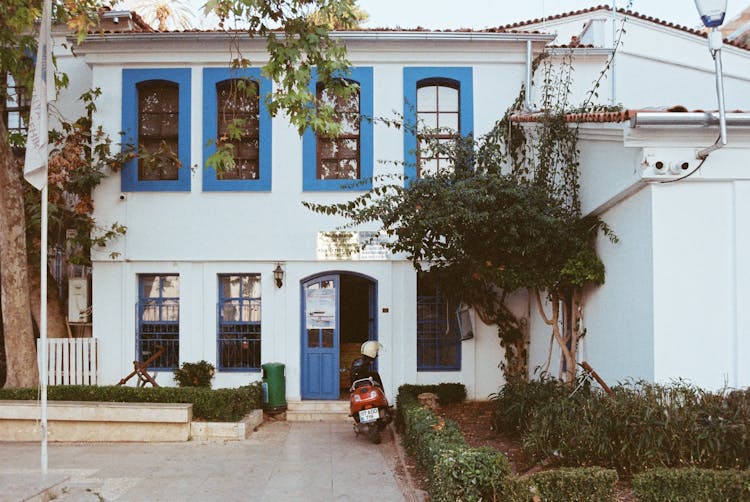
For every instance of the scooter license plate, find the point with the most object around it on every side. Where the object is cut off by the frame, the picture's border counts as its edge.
(368, 415)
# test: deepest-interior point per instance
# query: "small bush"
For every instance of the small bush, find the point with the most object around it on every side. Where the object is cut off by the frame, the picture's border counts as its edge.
(517, 400)
(575, 485)
(691, 484)
(451, 393)
(197, 374)
(223, 405)
(471, 474)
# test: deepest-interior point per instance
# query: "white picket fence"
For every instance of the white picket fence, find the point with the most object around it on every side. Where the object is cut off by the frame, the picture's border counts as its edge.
(72, 361)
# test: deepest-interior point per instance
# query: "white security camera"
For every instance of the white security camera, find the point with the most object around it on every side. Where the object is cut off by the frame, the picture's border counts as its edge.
(123, 196)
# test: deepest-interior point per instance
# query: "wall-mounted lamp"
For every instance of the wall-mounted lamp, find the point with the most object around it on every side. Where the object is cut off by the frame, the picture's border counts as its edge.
(278, 275)
(712, 14)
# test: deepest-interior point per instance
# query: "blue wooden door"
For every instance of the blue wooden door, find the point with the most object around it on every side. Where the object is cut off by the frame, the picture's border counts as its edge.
(320, 338)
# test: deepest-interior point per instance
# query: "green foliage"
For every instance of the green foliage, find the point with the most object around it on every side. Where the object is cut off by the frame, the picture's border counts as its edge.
(518, 400)
(575, 485)
(447, 393)
(296, 41)
(224, 405)
(470, 474)
(642, 426)
(197, 374)
(78, 161)
(688, 485)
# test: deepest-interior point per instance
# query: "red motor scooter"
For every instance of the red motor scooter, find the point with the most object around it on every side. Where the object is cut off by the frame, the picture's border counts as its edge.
(369, 408)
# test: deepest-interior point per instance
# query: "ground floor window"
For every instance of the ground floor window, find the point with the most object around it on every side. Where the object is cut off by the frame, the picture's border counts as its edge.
(438, 336)
(239, 329)
(158, 314)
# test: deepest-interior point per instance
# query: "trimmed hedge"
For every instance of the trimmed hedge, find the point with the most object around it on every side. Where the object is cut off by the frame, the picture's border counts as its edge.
(691, 484)
(223, 405)
(575, 484)
(447, 393)
(458, 472)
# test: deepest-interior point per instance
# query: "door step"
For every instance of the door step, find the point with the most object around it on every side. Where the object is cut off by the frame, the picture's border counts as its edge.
(317, 411)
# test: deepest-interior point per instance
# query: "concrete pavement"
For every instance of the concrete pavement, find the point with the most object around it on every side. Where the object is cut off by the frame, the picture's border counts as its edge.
(280, 461)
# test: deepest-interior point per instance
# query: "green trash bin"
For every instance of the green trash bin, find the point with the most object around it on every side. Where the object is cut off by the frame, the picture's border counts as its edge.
(274, 388)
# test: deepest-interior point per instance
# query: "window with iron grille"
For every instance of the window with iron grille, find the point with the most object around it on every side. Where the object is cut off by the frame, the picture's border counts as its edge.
(239, 328)
(158, 312)
(438, 336)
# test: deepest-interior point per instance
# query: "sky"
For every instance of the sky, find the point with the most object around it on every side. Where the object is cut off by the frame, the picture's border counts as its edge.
(477, 14)
(437, 14)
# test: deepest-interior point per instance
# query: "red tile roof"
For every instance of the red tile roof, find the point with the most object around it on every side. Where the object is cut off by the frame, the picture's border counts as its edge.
(620, 116)
(624, 12)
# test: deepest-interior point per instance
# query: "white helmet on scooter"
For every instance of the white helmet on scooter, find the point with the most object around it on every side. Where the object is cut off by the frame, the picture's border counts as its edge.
(370, 349)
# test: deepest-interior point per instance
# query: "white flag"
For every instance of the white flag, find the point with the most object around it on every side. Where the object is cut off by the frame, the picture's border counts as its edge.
(35, 166)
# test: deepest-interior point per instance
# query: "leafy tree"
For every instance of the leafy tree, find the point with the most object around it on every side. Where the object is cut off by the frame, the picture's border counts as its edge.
(295, 41)
(506, 217)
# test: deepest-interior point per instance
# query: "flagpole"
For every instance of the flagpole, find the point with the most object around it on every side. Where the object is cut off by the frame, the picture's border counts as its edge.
(43, 327)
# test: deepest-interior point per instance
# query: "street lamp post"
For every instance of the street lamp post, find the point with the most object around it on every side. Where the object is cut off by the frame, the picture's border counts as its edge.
(712, 14)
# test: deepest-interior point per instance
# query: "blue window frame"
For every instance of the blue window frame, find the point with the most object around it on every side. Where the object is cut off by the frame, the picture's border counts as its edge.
(260, 153)
(158, 320)
(362, 76)
(239, 328)
(133, 82)
(457, 78)
(438, 334)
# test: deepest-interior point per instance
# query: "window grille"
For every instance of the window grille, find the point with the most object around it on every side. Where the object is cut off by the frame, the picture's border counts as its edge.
(158, 312)
(438, 336)
(239, 325)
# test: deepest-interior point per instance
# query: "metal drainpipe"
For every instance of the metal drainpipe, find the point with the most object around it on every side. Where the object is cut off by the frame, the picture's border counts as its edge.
(529, 63)
(613, 98)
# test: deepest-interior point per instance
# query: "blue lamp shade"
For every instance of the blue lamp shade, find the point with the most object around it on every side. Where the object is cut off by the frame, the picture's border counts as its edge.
(712, 12)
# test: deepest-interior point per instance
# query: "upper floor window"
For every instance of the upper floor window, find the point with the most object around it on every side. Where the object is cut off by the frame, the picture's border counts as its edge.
(438, 116)
(156, 124)
(234, 114)
(15, 110)
(158, 314)
(337, 163)
(438, 334)
(239, 328)
(158, 130)
(338, 158)
(438, 108)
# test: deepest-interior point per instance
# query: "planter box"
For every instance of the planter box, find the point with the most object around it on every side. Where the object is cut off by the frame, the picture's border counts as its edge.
(95, 421)
(227, 430)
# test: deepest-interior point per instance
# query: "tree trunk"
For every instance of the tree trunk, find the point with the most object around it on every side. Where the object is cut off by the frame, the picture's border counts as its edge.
(56, 327)
(20, 343)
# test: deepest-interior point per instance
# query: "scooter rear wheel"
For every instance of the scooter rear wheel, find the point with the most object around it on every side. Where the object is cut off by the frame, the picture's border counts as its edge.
(374, 434)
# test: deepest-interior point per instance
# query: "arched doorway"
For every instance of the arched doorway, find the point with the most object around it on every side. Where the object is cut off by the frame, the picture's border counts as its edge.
(338, 315)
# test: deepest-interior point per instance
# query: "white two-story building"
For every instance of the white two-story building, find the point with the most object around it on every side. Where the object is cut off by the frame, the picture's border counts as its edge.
(232, 269)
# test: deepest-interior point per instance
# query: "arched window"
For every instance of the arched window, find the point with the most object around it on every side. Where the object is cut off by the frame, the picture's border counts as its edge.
(238, 106)
(158, 130)
(438, 117)
(339, 158)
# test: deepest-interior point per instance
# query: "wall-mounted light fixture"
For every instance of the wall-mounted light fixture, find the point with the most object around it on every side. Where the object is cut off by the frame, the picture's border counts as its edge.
(712, 14)
(278, 275)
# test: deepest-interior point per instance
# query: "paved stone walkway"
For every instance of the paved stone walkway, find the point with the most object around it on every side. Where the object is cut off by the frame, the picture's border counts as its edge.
(280, 461)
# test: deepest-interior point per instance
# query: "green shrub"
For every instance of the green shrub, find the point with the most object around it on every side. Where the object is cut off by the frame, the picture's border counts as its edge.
(224, 405)
(426, 436)
(471, 474)
(518, 399)
(451, 393)
(643, 426)
(575, 485)
(691, 484)
(197, 374)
